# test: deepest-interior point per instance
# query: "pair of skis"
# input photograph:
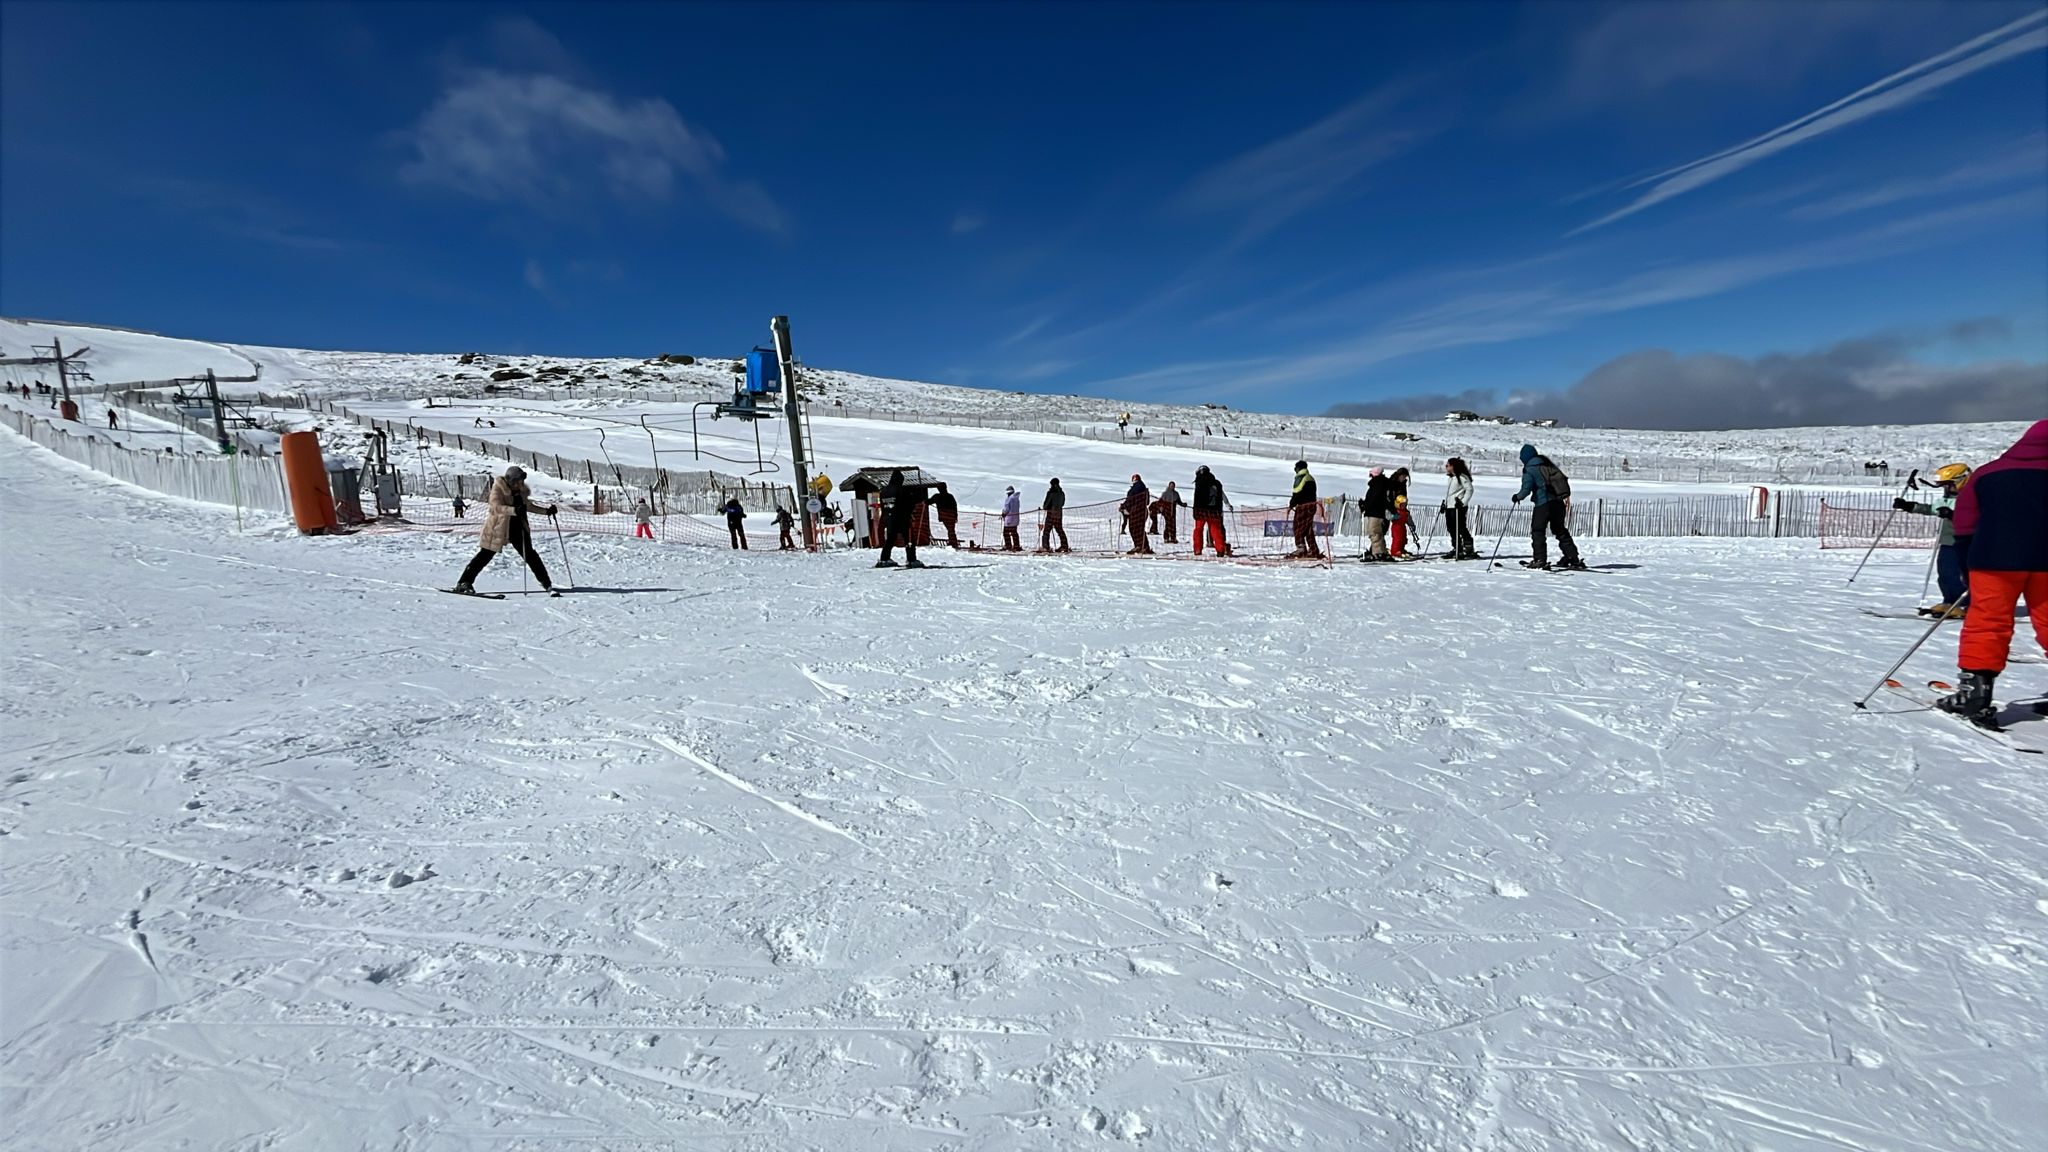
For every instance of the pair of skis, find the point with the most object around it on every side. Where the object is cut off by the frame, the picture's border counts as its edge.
(1989, 731)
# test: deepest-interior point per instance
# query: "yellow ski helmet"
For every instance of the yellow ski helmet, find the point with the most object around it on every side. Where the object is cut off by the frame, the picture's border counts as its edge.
(1952, 473)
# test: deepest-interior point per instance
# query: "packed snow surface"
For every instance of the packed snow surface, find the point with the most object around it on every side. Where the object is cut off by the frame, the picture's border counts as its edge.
(771, 852)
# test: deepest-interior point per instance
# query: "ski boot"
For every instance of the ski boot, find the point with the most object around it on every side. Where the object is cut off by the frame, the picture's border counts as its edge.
(913, 562)
(1972, 701)
(464, 589)
(1937, 610)
(885, 562)
(1575, 564)
(1543, 565)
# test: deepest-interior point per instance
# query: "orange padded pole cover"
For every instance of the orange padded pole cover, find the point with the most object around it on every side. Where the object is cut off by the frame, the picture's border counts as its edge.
(306, 475)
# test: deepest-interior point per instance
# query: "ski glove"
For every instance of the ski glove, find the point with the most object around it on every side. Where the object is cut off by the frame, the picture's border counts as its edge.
(1516, 499)
(551, 509)
(1902, 504)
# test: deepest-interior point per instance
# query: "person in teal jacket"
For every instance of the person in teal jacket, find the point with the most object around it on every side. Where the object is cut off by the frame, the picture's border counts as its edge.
(1551, 490)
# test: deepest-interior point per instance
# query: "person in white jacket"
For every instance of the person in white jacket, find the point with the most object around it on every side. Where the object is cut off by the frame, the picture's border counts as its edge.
(1012, 514)
(1457, 510)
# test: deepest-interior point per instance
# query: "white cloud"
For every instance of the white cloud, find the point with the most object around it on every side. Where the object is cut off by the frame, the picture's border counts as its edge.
(2022, 159)
(1498, 315)
(1282, 178)
(542, 139)
(966, 222)
(2016, 38)
(536, 276)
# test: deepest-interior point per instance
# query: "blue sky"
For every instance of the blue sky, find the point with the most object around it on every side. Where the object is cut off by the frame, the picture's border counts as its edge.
(1281, 207)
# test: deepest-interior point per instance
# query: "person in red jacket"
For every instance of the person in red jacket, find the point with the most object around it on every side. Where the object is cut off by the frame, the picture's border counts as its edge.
(2001, 527)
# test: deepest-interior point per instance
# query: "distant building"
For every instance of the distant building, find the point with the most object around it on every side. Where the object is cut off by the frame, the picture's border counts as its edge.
(1545, 422)
(1500, 419)
(1460, 416)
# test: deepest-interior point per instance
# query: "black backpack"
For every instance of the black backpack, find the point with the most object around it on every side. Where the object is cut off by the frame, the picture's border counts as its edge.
(1560, 485)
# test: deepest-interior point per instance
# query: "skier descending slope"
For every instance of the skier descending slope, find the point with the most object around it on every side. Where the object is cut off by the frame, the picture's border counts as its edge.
(1552, 491)
(1948, 569)
(506, 524)
(899, 501)
(2001, 526)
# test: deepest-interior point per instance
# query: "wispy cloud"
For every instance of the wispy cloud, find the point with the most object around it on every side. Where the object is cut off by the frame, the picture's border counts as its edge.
(238, 212)
(2019, 160)
(545, 139)
(965, 222)
(2016, 38)
(1499, 315)
(1029, 330)
(536, 276)
(1278, 180)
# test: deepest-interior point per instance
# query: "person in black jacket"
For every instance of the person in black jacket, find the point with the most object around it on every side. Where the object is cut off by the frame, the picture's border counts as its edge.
(899, 506)
(1055, 508)
(1209, 511)
(949, 515)
(1304, 503)
(1377, 508)
(734, 523)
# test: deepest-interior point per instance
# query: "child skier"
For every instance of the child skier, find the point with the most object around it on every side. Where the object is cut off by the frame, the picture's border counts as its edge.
(1948, 570)
(643, 520)
(1403, 523)
(784, 521)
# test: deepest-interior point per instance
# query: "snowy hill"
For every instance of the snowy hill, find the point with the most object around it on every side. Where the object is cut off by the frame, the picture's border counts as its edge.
(395, 376)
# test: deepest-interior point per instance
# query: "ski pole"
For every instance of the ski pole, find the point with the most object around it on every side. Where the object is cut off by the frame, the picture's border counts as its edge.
(1505, 521)
(1885, 527)
(566, 570)
(1924, 638)
(1929, 578)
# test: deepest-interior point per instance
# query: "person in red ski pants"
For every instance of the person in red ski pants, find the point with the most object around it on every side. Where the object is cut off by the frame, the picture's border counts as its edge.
(2001, 529)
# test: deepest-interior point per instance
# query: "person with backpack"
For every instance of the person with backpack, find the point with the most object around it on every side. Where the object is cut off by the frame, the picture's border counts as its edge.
(1399, 520)
(2001, 523)
(899, 512)
(1303, 502)
(1055, 508)
(785, 520)
(1551, 490)
(1013, 515)
(1948, 569)
(1136, 502)
(1209, 511)
(1457, 510)
(734, 514)
(643, 520)
(1376, 508)
(505, 526)
(949, 514)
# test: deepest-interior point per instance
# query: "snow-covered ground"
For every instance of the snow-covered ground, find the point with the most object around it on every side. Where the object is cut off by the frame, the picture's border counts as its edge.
(779, 852)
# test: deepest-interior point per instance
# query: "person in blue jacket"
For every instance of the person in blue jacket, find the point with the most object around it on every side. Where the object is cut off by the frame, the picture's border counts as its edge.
(1551, 490)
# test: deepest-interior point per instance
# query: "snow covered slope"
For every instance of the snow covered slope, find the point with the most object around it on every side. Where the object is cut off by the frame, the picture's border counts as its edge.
(779, 852)
(119, 355)
(406, 376)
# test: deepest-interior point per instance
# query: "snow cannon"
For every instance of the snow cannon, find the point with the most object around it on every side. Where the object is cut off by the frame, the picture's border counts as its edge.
(305, 477)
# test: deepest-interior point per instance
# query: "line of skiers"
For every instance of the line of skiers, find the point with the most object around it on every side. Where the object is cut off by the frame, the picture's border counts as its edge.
(1384, 507)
